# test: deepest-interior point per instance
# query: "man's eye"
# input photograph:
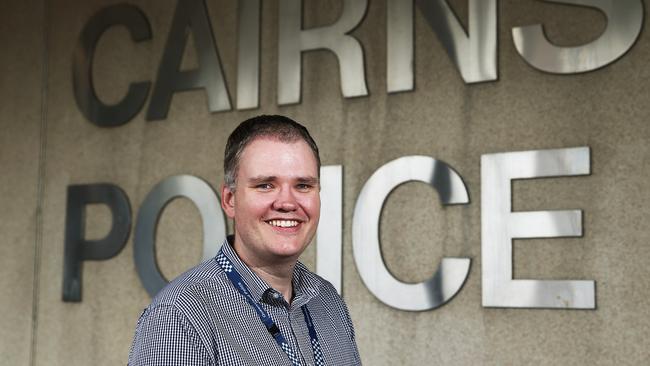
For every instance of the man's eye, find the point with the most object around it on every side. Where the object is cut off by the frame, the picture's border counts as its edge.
(303, 187)
(264, 186)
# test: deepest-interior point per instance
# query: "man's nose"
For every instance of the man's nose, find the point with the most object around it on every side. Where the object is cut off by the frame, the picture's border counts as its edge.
(285, 201)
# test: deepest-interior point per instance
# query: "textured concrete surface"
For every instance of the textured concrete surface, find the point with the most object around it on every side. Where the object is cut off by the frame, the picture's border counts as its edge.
(21, 38)
(444, 118)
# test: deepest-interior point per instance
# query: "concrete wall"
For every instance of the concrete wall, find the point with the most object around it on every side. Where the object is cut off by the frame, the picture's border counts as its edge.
(47, 144)
(21, 64)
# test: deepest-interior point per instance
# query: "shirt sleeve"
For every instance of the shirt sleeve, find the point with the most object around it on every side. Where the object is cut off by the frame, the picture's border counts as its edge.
(351, 333)
(164, 336)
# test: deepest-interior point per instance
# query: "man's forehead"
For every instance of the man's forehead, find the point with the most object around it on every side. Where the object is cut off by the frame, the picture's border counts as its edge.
(273, 139)
(271, 156)
(254, 147)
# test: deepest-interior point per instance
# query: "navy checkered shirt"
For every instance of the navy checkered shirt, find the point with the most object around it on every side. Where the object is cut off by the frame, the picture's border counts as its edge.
(201, 319)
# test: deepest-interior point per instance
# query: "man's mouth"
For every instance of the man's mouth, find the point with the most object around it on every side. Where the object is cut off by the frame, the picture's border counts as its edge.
(283, 223)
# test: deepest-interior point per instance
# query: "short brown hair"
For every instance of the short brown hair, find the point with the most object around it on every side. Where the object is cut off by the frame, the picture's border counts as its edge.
(274, 126)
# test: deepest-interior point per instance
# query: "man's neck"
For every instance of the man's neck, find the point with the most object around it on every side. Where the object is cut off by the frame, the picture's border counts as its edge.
(279, 279)
(279, 275)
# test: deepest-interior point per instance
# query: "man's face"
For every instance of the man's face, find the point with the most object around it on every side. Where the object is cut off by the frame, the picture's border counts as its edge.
(276, 203)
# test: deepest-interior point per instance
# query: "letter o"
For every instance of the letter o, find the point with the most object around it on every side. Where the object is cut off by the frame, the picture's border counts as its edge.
(205, 199)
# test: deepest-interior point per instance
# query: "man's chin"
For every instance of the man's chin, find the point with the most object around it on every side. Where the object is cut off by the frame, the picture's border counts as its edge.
(289, 249)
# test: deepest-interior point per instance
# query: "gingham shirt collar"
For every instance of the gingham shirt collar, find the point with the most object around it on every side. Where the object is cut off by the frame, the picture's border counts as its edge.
(305, 286)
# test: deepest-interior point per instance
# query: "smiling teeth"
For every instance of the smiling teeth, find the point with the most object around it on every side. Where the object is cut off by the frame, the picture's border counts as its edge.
(284, 223)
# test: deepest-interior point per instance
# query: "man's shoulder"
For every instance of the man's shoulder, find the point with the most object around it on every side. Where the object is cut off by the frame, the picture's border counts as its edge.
(175, 320)
(182, 289)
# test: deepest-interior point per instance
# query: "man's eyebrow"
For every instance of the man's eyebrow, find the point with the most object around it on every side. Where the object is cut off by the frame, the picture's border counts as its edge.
(262, 179)
(270, 178)
(309, 180)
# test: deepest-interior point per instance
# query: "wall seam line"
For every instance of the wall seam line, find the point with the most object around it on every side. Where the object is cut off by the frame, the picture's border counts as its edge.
(40, 188)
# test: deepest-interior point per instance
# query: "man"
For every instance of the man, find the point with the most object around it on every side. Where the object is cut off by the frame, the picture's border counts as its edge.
(254, 303)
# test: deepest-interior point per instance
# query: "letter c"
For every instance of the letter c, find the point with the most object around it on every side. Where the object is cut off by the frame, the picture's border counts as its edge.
(92, 108)
(451, 273)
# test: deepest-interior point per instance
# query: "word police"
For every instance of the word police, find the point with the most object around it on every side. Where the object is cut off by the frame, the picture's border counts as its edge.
(499, 226)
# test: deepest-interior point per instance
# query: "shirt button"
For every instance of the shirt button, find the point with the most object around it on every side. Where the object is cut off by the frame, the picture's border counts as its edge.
(276, 295)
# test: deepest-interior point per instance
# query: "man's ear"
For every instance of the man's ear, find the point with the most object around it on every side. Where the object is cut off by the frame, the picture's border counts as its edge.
(228, 201)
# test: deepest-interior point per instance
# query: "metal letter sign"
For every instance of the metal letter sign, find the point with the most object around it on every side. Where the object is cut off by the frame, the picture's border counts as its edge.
(452, 272)
(474, 52)
(92, 108)
(294, 40)
(399, 46)
(192, 15)
(624, 23)
(214, 225)
(499, 225)
(329, 234)
(248, 56)
(77, 248)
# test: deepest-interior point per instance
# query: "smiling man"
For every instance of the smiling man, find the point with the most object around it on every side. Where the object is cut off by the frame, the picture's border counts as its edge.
(254, 303)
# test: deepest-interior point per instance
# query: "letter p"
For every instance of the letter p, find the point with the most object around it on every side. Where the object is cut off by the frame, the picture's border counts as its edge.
(77, 248)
